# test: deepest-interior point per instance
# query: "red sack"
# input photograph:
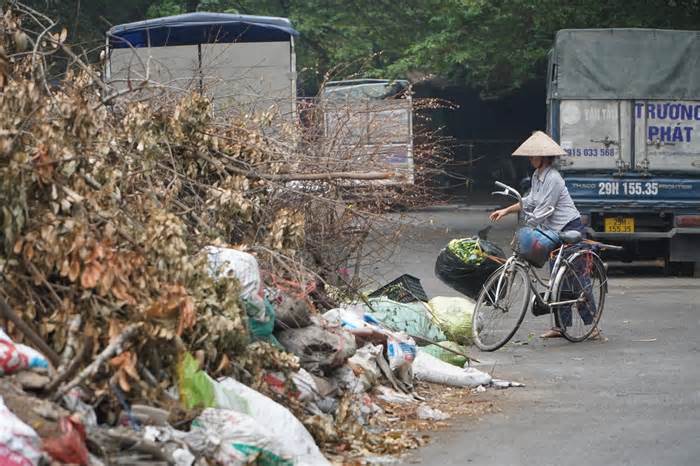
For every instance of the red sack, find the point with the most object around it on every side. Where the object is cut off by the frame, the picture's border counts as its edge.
(69, 447)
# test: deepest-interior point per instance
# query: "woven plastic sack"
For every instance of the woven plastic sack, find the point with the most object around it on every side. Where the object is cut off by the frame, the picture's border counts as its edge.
(293, 439)
(227, 262)
(19, 444)
(445, 355)
(431, 369)
(411, 318)
(241, 439)
(454, 316)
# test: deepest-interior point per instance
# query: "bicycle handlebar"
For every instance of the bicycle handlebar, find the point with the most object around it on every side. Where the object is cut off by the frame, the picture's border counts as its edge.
(508, 191)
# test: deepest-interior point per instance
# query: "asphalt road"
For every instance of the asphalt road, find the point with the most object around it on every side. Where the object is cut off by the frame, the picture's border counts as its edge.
(631, 399)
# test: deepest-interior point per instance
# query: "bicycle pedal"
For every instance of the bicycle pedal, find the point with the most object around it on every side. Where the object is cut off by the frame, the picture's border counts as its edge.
(539, 308)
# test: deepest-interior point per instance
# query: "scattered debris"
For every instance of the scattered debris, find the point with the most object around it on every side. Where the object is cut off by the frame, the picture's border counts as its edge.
(498, 383)
(426, 412)
(392, 396)
(431, 369)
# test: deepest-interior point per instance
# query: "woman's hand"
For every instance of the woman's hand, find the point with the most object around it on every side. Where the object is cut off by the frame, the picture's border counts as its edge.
(496, 215)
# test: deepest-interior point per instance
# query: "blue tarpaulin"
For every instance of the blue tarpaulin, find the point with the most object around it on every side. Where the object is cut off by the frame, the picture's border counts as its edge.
(200, 28)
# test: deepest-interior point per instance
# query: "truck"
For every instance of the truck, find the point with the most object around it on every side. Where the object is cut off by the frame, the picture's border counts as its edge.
(246, 64)
(625, 106)
(370, 122)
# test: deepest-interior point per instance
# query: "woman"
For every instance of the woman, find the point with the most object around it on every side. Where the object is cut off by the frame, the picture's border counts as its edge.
(547, 190)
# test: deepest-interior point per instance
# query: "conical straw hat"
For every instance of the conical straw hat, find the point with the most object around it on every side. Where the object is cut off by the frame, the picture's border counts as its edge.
(539, 144)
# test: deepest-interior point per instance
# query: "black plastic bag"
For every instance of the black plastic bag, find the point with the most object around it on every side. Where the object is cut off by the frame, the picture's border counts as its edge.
(467, 278)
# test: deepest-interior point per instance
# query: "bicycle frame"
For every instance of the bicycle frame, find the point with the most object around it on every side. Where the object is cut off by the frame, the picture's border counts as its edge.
(554, 275)
(549, 286)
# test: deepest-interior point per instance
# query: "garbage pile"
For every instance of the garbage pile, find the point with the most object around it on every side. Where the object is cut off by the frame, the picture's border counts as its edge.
(326, 398)
(160, 290)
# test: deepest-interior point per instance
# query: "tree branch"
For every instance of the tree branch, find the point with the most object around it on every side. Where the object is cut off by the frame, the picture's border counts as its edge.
(31, 335)
(328, 176)
(113, 348)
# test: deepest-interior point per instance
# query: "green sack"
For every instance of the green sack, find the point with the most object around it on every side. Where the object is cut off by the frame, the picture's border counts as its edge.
(447, 356)
(261, 322)
(454, 316)
(412, 318)
(197, 389)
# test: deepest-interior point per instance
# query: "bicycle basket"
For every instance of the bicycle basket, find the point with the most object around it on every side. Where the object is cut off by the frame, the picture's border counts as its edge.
(535, 244)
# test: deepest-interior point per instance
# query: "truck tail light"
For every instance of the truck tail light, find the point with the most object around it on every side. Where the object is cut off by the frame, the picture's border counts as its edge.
(688, 220)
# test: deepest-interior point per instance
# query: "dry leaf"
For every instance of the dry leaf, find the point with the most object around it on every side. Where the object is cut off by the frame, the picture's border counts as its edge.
(91, 275)
(74, 270)
(188, 316)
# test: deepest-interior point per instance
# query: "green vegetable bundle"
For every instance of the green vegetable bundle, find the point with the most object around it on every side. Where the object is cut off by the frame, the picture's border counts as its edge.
(468, 250)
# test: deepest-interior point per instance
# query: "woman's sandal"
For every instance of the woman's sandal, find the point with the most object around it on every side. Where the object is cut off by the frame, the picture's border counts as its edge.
(552, 333)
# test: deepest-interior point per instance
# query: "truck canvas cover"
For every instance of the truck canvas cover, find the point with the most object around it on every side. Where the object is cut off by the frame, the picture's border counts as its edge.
(243, 63)
(606, 64)
(200, 28)
(626, 100)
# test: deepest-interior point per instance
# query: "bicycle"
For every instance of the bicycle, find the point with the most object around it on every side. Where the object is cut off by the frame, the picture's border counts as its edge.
(574, 293)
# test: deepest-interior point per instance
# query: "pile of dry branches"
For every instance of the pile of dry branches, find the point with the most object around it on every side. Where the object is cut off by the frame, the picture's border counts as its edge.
(106, 203)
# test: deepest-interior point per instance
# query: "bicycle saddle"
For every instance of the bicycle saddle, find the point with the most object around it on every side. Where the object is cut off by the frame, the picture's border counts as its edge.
(570, 236)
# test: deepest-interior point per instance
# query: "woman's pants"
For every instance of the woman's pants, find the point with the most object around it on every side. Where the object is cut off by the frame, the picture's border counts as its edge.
(572, 287)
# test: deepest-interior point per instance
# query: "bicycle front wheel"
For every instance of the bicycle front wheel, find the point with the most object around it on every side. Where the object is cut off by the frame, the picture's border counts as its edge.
(501, 307)
(582, 279)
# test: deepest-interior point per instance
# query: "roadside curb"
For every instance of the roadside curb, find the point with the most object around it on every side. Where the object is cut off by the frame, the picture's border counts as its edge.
(479, 208)
(460, 207)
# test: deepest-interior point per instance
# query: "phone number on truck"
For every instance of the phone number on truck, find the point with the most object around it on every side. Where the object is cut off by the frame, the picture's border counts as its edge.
(628, 188)
(590, 152)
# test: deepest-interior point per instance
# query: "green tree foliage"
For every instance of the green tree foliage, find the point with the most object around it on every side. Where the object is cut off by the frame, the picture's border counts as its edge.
(88, 20)
(498, 45)
(493, 45)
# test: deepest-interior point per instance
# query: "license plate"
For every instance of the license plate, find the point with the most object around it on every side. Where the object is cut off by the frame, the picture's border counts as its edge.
(619, 225)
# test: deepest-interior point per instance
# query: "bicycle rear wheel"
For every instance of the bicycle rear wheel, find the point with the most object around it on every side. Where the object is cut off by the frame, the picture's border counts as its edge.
(581, 277)
(499, 312)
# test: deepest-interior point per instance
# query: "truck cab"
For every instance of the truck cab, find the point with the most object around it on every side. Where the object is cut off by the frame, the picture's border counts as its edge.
(625, 106)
